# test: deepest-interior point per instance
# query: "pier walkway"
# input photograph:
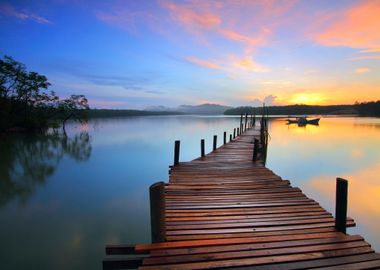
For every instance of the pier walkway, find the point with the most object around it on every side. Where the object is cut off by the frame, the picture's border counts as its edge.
(224, 211)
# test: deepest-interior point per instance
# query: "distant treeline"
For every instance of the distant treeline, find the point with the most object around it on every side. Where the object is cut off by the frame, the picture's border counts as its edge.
(95, 113)
(369, 108)
(365, 109)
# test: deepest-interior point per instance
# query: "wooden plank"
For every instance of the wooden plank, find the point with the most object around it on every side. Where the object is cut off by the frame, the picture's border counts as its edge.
(345, 261)
(227, 241)
(207, 256)
(254, 246)
(260, 260)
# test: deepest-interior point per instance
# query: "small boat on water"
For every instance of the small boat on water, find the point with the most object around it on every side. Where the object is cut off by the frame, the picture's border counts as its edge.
(301, 121)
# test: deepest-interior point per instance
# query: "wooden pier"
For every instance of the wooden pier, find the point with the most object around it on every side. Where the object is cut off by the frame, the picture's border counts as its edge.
(226, 210)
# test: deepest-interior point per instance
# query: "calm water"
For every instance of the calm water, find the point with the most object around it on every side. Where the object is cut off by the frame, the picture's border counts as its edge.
(62, 199)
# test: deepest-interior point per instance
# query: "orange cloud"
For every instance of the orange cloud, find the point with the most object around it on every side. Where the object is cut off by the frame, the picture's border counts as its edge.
(366, 57)
(370, 50)
(362, 70)
(356, 27)
(202, 63)
(248, 64)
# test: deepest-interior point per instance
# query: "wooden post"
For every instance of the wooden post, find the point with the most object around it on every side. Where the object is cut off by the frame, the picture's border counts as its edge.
(202, 148)
(245, 122)
(176, 152)
(230, 137)
(255, 150)
(157, 212)
(214, 143)
(254, 119)
(341, 205)
(234, 133)
(224, 137)
(241, 121)
(238, 131)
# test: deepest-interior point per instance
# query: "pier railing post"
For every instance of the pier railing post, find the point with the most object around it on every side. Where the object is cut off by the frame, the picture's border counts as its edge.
(341, 205)
(238, 131)
(202, 148)
(157, 212)
(234, 133)
(176, 152)
(245, 122)
(241, 122)
(230, 137)
(255, 150)
(224, 137)
(214, 143)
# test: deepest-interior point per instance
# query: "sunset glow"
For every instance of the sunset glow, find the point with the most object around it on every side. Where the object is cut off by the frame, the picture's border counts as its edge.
(134, 54)
(307, 98)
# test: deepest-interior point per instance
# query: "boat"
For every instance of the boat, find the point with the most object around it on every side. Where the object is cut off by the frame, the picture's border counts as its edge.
(302, 121)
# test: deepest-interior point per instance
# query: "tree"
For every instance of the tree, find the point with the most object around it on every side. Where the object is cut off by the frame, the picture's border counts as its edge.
(75, 107)
(26, 101)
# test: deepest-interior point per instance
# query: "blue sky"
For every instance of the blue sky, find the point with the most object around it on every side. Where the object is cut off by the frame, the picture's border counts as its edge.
(135, 54)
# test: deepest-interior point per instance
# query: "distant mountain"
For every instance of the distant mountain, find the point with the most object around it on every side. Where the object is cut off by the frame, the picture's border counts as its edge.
(160, 108)
(205, 109)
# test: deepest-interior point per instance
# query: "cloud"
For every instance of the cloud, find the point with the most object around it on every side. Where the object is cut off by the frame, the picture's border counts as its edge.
(269, 100)
(202, 63)
(10, 11)
(370, 50)
(355, 27)
(310, 71)
(252, 41)
(103, 103)
(248, 64)
(362, 70)
(192, 16)
(249, 24)
(366, 57)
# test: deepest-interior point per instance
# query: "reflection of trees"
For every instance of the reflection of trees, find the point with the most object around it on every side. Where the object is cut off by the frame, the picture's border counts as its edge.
(26, 161)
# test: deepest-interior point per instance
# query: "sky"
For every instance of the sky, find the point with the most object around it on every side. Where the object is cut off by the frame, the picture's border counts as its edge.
(137, 54)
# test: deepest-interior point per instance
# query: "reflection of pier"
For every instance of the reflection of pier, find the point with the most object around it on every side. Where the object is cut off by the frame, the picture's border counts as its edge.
(226, 210)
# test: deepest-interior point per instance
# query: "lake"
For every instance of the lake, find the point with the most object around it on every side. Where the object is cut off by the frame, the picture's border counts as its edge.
(63, 198)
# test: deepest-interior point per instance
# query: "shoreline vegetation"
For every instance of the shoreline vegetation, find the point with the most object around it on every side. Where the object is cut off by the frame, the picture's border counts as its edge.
(358, 109)
(27, 104)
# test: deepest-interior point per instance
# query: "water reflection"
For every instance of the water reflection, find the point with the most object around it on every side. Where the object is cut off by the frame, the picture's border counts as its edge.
(27, 160)
(84, 202)
(313, 156)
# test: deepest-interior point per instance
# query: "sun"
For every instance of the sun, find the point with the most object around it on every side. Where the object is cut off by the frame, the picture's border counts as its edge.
(308, 99)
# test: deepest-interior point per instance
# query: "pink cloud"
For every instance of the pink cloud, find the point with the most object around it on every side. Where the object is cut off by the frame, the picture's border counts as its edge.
(202, 63)
(191, 16)
(355, 27)
(258, 40)
(10, 11)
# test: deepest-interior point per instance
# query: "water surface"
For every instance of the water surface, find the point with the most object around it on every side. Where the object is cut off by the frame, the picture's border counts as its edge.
(63, 198)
